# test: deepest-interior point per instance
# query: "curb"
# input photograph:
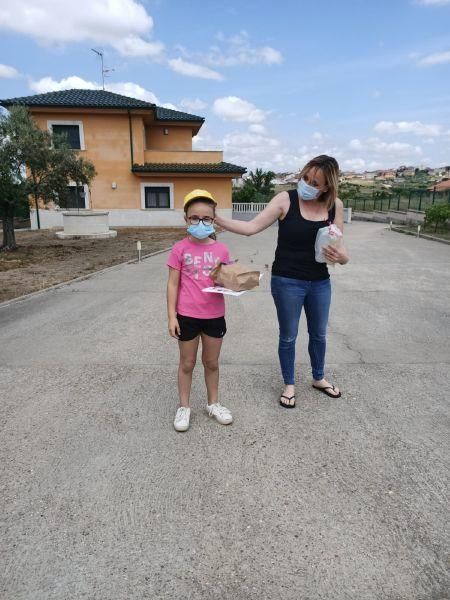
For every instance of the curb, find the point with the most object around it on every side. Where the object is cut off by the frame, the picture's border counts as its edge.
(77, 279)
(422, 235)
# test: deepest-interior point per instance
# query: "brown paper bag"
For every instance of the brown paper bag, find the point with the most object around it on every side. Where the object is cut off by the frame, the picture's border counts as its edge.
(235, 277)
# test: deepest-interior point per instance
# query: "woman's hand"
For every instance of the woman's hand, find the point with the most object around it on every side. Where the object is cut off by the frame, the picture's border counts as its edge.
(277, 207)
(335, 254)
(174, 328)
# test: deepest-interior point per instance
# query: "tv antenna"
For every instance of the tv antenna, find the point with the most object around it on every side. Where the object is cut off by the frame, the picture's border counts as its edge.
(104, 71)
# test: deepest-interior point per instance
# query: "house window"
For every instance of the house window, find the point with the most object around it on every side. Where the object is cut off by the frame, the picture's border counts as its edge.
(157, 197)
(71, 131)
(69, 134)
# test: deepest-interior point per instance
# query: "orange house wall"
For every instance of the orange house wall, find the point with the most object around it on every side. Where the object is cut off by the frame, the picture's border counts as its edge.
(178, 138)
(107, 145)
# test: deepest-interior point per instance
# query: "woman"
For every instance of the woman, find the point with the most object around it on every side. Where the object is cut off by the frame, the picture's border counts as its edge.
(298, 281)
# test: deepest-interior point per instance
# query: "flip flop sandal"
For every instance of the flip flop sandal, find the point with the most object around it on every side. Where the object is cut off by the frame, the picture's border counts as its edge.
(284, 405)
(324, 391)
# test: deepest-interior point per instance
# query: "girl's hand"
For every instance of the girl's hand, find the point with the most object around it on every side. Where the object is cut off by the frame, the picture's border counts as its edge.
(335, 254)
(174, 328)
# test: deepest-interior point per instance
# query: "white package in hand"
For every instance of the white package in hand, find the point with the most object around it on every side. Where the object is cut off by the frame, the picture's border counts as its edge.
(330, 235)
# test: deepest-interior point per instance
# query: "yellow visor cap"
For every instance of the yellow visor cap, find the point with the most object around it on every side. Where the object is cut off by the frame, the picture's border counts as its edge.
(198, 194)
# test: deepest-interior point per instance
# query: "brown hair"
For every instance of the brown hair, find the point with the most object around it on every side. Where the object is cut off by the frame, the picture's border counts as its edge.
(330, 168)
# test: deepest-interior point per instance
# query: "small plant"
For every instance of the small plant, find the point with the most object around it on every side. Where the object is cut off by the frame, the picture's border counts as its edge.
(437, 215)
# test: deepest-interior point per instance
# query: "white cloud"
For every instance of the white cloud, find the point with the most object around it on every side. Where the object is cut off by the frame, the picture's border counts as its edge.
(355, 144)
(388, 150)
(232, 108)
(433, 2)
(126, 88)
(257, 128)
(238, 51)
(133, 90)
(205, 140)
(318, 137)
(134, 46)
(193, 70)
(354, 164)
(259, 150)
(47, 84)
(415, 127)
(8, 72)
(438, 58)
(118, 23)
(238, 141)
(193, 105)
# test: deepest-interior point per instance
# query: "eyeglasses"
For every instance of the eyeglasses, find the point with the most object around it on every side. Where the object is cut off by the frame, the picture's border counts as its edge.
(194, 220)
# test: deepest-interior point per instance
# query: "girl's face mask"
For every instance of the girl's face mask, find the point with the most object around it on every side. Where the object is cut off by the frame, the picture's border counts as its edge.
(200, 230)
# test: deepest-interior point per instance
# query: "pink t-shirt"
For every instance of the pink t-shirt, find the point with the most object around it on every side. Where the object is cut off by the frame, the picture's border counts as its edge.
(195, 260)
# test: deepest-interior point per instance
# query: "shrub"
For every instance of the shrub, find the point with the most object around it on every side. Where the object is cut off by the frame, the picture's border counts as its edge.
(437, 215)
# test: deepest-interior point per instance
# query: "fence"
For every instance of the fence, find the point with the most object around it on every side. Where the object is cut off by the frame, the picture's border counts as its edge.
(243, 207)
(411, 200)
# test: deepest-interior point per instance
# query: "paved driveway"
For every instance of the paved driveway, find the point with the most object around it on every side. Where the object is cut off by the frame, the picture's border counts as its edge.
(345, 499)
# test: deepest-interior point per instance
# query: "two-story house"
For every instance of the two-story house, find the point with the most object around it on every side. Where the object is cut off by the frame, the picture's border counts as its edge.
(142, 154)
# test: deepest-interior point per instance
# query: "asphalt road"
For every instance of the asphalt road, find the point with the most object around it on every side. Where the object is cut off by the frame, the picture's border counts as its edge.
(346, 499)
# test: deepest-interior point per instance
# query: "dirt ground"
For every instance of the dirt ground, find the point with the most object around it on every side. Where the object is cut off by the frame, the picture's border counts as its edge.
(43, 260)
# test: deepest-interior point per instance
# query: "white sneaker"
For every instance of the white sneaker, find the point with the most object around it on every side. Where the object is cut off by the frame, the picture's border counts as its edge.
(181, 422)
(221, 413)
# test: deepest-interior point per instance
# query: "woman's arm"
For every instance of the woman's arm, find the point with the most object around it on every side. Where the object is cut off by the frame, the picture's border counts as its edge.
(172, 293)
(337, 254)
(276, 208)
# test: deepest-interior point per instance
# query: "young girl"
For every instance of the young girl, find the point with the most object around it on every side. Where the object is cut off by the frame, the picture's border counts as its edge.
(192, 313)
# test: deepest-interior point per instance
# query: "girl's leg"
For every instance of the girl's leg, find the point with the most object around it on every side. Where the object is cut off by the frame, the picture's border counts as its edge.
(210, 357)
(288, 295)
(188, 357)
(317, 309)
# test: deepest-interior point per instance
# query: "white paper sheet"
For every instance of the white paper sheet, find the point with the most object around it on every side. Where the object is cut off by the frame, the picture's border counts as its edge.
(221, 290)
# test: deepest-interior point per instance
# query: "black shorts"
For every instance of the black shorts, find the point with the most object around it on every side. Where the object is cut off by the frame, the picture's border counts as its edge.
(190, 327)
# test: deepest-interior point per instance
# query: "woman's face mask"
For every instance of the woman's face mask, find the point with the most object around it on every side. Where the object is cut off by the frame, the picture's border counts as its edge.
(306, 191)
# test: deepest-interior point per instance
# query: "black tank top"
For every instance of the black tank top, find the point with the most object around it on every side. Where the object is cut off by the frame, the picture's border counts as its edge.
(295, 256)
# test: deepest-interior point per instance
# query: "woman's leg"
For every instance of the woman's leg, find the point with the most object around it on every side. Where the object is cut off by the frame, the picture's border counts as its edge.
(317, 309)
(188, 357)
(210, 358)
(288, 295)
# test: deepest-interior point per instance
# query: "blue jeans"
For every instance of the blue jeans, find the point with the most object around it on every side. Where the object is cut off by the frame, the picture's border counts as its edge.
(290, 295)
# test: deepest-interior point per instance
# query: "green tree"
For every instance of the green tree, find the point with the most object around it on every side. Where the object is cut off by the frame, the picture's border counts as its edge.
(46, 163)
(13, 193)
(349, 192)
(258, 187)
(243, 194)
(261, 181)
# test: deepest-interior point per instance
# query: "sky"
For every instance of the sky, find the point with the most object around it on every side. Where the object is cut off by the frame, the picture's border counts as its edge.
(367, 81)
